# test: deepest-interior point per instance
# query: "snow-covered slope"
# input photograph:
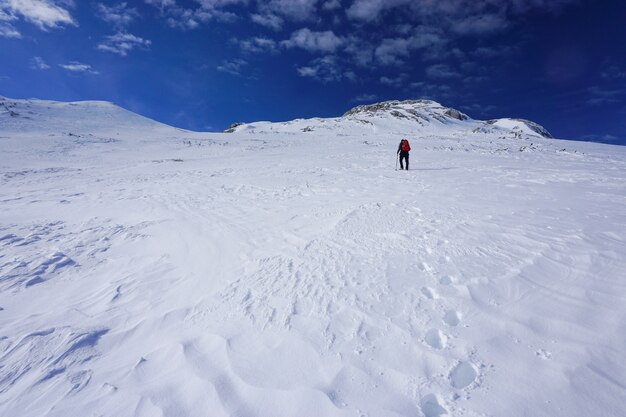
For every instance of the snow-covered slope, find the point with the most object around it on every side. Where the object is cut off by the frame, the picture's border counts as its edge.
(84, 117)
(285, 271)
(409, 117)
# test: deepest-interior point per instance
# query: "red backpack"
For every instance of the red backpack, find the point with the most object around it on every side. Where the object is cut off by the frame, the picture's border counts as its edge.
(404, 145)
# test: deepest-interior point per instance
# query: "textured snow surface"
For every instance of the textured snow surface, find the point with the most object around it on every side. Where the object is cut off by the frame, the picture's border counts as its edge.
(285, 271)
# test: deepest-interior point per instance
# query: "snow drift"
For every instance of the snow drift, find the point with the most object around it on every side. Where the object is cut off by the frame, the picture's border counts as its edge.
(286, 269)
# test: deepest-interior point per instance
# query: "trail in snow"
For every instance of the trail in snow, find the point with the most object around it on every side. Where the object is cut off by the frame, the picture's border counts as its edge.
(255, 274)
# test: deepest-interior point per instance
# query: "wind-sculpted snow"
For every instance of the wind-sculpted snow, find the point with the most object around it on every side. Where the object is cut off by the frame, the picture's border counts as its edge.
(279, 271)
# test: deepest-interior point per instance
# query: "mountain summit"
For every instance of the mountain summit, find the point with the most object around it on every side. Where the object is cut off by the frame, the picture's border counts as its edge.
(410, 117)
(418, 110)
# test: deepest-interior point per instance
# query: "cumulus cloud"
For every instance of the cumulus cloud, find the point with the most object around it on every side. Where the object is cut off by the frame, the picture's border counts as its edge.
(312, 41)
(398, 81)
(331, 5)
(393, 51)
(441, 71)
(297, 10)
(37, 63)
(79, 67)
(122, 43)
(269, 20)
(7, 30)
(326, 69)
(161, 4)
(361, 51)
(188, 18)
(232, 67)
(46, 14)
(369, 10)
(480, 24)
(120, 15)
(257, 45)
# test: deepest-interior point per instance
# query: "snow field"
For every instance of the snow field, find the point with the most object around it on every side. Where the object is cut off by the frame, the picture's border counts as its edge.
(168, 273)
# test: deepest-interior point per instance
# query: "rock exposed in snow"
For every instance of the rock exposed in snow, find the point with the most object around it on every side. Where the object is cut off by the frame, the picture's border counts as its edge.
(417, 110)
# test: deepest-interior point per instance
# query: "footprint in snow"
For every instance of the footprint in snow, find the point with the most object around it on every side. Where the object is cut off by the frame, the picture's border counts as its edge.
(446, 280)
(463, 375)
(430, 293)
(435, 339)
(431, 406)
(452, 318)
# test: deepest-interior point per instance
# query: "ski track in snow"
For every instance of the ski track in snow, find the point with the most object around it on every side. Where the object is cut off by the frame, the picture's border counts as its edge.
(268, 274)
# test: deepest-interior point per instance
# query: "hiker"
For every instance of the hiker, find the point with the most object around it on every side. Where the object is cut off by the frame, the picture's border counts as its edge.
(403, 151)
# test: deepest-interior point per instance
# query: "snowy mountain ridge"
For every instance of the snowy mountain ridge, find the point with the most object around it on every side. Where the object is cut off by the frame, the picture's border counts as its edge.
(415, 117)
(410, 116)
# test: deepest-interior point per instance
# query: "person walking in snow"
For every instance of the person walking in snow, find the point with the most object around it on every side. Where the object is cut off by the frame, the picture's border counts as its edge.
(403, 152)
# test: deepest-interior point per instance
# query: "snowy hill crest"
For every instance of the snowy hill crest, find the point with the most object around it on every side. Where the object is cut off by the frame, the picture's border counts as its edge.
(411, 117)
(421, 111)
(33, 115)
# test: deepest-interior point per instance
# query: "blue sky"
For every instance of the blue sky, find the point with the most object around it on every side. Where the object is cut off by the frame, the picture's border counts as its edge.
(203, 64)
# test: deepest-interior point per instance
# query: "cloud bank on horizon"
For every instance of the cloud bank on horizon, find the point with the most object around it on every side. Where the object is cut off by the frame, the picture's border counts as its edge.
(479, 55)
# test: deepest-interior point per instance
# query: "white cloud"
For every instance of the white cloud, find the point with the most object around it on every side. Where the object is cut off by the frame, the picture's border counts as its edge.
(432, 91)
(232, 67)
(601, 95)
(45, 14)
(297, 10)
(119, 15)
(479, 109)
(493, 51)
(369, 10)
(123, 43)
(311, 41)
(269, 20)
(325, 69)
(441, 71)
(257, 45)
(613, 72)
(393, 51)
(191, 18)
(161, 4)
(7, 30)
(76, 66)
(361, 51)
(37, 63)
(480, 24)
(398, 81)
(365, 98)
(331, 5)
(609, 138)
